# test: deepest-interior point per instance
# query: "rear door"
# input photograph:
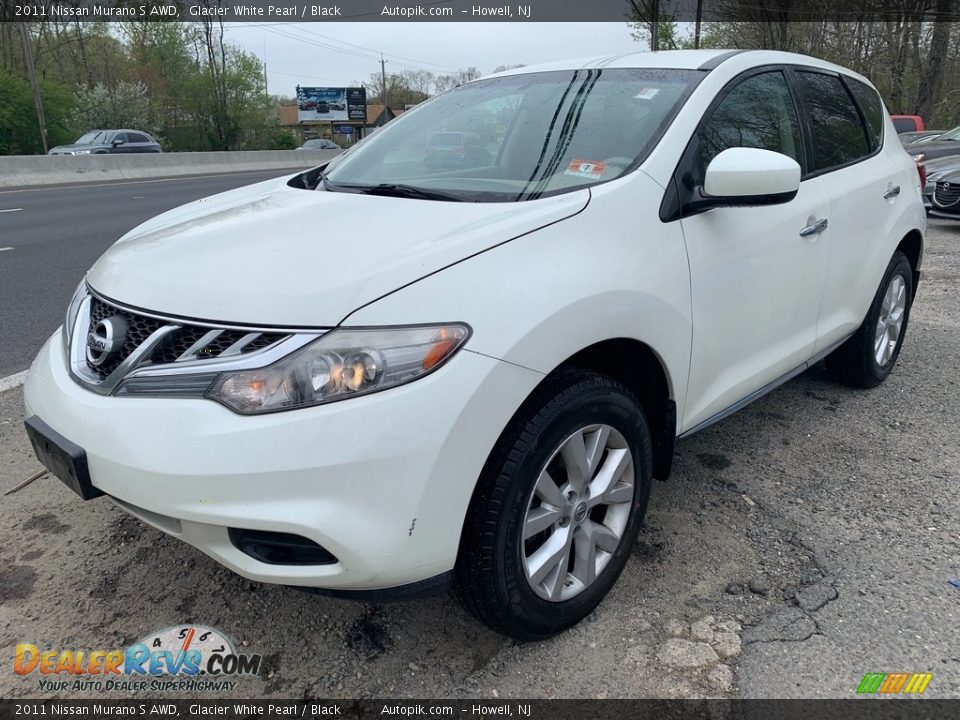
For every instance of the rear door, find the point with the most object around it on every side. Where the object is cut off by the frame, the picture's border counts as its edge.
(846, 122)
(755, 280)
(138, 142)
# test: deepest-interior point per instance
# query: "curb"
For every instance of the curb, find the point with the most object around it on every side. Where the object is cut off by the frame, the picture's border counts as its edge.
(12, 381)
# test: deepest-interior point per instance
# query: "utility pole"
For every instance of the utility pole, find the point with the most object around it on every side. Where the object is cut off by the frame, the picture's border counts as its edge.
(655, 26)
(696, 31)
(383, 83)
(32, 75)
(266, 89)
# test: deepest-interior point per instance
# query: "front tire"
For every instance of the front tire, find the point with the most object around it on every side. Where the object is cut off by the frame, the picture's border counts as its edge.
(558, 507)
(868, 357)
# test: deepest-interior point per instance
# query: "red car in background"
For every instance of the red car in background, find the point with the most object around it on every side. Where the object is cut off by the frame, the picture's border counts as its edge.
(908, 123)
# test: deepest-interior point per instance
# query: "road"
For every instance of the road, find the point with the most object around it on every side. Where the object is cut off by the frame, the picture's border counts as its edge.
(801, 543)
(49, 236)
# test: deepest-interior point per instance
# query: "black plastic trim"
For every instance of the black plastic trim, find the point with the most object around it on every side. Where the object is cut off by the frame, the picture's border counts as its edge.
(714, 62)
(62, 458)
(759, 393)
(431, 587)
(665, 441)
(277, 548)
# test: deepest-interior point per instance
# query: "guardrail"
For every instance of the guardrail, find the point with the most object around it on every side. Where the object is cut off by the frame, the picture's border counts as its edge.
(26, 170)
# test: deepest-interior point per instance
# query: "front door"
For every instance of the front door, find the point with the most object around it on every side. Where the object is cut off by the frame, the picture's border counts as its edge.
(756, 273)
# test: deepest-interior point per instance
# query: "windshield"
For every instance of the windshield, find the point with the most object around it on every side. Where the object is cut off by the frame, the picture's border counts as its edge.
(95, 137)
(518, 137)
(951, 134)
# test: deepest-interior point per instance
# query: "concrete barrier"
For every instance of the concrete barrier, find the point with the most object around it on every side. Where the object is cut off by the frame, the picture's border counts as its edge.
(26, 170)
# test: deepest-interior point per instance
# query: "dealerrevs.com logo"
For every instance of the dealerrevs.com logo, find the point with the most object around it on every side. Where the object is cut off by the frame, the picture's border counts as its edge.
(184, 657)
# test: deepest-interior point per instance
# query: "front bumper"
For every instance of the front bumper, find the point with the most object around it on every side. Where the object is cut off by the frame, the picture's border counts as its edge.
(382, 482)
(946, 215)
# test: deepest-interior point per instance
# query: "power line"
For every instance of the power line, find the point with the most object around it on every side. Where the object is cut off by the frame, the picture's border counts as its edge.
(360, 51)
(388, 54)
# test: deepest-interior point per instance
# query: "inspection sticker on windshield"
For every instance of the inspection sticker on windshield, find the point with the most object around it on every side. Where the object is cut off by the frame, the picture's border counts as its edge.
(647, 93)
(585, 168)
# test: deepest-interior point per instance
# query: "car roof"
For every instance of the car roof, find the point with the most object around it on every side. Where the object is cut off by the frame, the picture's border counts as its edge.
(116, 130)
(680, 60)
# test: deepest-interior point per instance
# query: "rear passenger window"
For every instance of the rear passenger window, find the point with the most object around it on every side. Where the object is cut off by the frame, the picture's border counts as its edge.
(757, 113)
(905, 124)
(872, 110)
(838, 135)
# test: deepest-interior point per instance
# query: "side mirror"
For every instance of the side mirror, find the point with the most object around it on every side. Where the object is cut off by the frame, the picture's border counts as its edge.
(749, 176)
(116, 142)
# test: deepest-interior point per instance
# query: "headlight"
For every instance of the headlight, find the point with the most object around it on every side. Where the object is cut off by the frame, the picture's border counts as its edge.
(340, 365)
(79, 152)
(70, 319)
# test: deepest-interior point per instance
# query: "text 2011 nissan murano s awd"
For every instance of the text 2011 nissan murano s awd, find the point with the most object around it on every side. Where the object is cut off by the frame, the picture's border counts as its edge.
(471, 377)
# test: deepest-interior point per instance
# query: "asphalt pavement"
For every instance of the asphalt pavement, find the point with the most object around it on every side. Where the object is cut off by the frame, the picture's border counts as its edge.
(801, 543)
(50, 236)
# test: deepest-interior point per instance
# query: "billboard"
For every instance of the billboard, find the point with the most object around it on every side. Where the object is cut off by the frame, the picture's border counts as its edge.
(328, 104)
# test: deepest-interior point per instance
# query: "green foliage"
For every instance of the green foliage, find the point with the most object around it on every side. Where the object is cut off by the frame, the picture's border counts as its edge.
(177, 81)
(19, 130)
(280, 139)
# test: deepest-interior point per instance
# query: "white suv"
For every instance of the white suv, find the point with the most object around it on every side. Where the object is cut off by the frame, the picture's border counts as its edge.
(473, 374)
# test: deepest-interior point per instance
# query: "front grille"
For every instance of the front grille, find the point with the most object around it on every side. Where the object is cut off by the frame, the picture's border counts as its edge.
(947, 194)
(180, 345)
(139, 328)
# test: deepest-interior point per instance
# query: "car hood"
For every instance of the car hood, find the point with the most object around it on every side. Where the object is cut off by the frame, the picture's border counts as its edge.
(269, 254)
(70, 148)
(941, 147)
(942, 166)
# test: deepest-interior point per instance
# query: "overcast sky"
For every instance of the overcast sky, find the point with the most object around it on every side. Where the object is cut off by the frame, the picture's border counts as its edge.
(335, 54)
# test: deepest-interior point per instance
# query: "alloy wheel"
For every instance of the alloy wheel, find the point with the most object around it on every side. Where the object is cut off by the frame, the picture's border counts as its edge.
(577, 512)
(890, 322)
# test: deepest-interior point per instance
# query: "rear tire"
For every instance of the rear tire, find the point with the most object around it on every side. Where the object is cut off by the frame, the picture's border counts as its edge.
(868, 357)
(557, 508)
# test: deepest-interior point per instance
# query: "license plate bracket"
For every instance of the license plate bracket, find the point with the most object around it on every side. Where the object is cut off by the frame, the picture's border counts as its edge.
(64, 459)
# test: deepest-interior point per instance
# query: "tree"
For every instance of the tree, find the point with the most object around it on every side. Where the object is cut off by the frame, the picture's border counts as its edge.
(907, 51)
(931, 82)
(406, 88)
(447, 82)
(125, 105)
(649, 19)
(19, 131)
(181, 81)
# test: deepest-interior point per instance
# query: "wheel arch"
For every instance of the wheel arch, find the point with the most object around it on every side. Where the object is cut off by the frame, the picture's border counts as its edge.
(912, 246)
(638, 366)
(642, 370)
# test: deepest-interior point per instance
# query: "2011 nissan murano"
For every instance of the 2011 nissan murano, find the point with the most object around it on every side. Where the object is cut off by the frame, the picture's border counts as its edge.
(471, 377)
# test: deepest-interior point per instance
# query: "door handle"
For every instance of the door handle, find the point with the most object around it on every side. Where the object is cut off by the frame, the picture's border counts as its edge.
(814, 228)
(892, 192)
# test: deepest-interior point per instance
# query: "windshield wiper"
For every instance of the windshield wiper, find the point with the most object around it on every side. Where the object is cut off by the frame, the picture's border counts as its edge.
(406, 191)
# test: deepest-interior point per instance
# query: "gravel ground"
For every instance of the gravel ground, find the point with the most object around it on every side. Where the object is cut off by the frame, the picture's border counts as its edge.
(801, 543)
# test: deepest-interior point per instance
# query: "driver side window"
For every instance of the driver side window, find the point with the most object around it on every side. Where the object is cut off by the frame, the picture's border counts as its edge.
(757, 113)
